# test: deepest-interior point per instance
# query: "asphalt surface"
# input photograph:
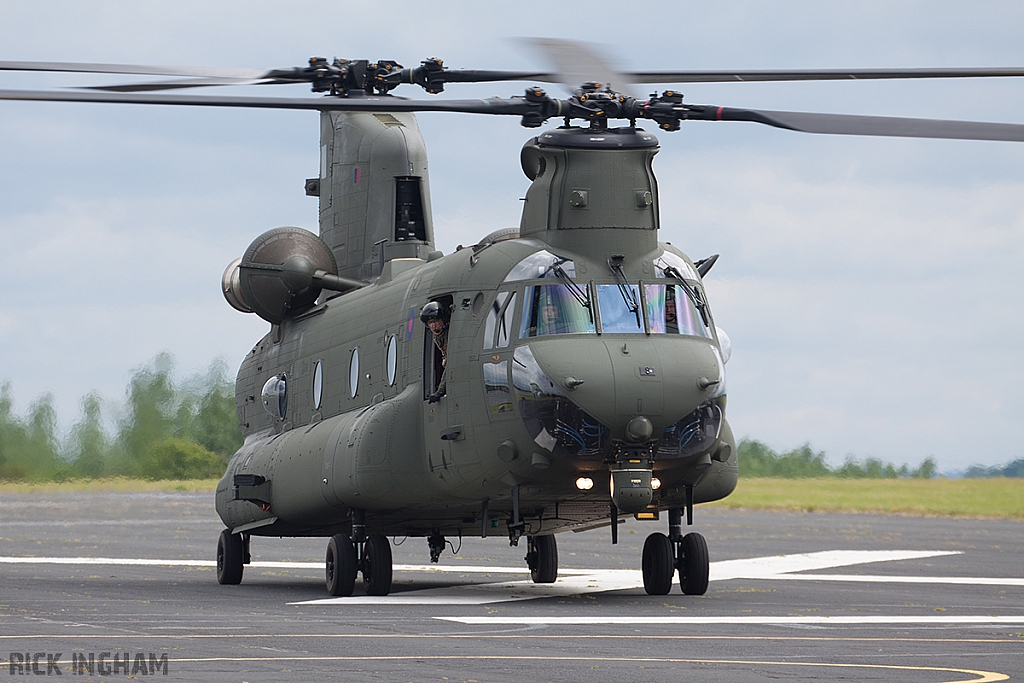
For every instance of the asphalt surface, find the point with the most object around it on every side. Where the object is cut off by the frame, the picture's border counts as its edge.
(853, 597)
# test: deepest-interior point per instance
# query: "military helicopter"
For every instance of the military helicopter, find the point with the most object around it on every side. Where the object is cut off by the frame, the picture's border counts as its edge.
(555, 376)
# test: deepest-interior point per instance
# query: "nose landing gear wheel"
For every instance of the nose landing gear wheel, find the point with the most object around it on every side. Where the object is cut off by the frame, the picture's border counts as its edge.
(693, 564)
(658, 564)
(340, 565)
(376, 565)
(230, 558)
(542, 558)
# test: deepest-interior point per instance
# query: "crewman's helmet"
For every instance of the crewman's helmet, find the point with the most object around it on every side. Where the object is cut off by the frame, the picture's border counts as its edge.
(432, 311)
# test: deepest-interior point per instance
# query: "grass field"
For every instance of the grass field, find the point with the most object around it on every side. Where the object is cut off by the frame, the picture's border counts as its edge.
(997, 497)
(115, 484)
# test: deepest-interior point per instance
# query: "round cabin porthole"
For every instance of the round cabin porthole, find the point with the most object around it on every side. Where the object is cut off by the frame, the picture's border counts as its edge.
(353, 373)
(275, 396)
(318, 385)
(392, 360)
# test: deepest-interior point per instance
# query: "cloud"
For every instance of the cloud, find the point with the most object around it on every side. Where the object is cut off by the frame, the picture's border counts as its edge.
(870, 286)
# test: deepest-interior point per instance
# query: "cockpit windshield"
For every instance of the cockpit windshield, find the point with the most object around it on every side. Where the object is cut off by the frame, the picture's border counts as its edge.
(620, 314)
(677, 307)
(554, 309)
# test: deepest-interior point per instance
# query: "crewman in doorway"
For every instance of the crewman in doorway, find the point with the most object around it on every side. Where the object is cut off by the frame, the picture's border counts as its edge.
(433, 317)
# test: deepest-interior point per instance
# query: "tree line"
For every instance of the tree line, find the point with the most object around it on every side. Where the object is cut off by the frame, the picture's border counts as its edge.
(165, 429)
(757, 459)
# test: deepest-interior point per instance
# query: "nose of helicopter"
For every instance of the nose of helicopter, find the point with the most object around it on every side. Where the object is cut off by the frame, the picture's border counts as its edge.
(617, 380)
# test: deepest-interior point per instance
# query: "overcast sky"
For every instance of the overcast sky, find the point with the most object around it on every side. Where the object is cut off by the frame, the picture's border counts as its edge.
(871, 286)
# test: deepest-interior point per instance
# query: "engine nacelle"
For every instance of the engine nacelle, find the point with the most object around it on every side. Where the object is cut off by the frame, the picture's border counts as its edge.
(281, 273)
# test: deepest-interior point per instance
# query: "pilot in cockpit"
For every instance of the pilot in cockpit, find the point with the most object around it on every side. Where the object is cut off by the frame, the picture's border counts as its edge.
(551, 319)
(671, 322)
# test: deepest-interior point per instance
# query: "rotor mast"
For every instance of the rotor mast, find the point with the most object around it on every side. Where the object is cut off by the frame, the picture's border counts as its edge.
(374, 190)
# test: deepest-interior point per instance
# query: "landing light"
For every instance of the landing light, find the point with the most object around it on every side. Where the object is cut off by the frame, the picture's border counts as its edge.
(655, 483)
(584, 483)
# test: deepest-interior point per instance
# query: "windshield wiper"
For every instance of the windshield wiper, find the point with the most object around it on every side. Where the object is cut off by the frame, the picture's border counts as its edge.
(615, 263)
(574, 289)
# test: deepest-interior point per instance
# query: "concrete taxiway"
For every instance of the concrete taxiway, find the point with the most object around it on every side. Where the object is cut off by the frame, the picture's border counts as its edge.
(129, 578)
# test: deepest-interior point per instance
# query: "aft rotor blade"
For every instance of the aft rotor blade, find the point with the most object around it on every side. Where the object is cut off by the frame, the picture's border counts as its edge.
(669, 77)
(134, 69)
(270, 78)
(180, 84)
(510, 107)
(846, 124)
(197, 77)
(578, 58)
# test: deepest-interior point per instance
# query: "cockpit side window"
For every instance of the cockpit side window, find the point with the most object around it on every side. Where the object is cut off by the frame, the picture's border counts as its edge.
(496, 389)
(504, 331)
(498, 324)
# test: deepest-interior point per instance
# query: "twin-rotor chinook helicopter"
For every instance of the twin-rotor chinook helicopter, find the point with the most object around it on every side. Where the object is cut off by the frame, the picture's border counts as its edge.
(579, 375)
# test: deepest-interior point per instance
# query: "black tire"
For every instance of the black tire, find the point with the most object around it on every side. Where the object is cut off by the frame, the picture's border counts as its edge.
(230, 558)
(658, 564)
(377, 565)
(693, 565)
(544, 560)
(340, 566)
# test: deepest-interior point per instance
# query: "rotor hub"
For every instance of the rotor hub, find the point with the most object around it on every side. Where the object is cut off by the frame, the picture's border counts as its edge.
(585, 138)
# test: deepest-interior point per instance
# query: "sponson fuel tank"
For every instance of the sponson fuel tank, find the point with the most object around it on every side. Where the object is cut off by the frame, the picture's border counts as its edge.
(319, 472)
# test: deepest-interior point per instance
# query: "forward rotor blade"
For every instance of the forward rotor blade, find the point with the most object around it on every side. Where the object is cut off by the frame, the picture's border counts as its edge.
(846, 124)
(134, 69)
(510, 107)
(669, 77)
(834, 124)
(577, 64)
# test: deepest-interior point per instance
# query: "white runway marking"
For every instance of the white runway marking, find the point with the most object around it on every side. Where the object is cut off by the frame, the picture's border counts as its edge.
(767, 620)
(884, 578)
(602, 580)
(580, 581)
(776, 565)
(594, 581)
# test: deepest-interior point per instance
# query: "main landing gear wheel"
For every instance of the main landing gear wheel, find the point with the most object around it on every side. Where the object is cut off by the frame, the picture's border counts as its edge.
(658, 564)
(230, 558)
(341, 565)
(542, 557)
(376, 565)
(693, 564)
